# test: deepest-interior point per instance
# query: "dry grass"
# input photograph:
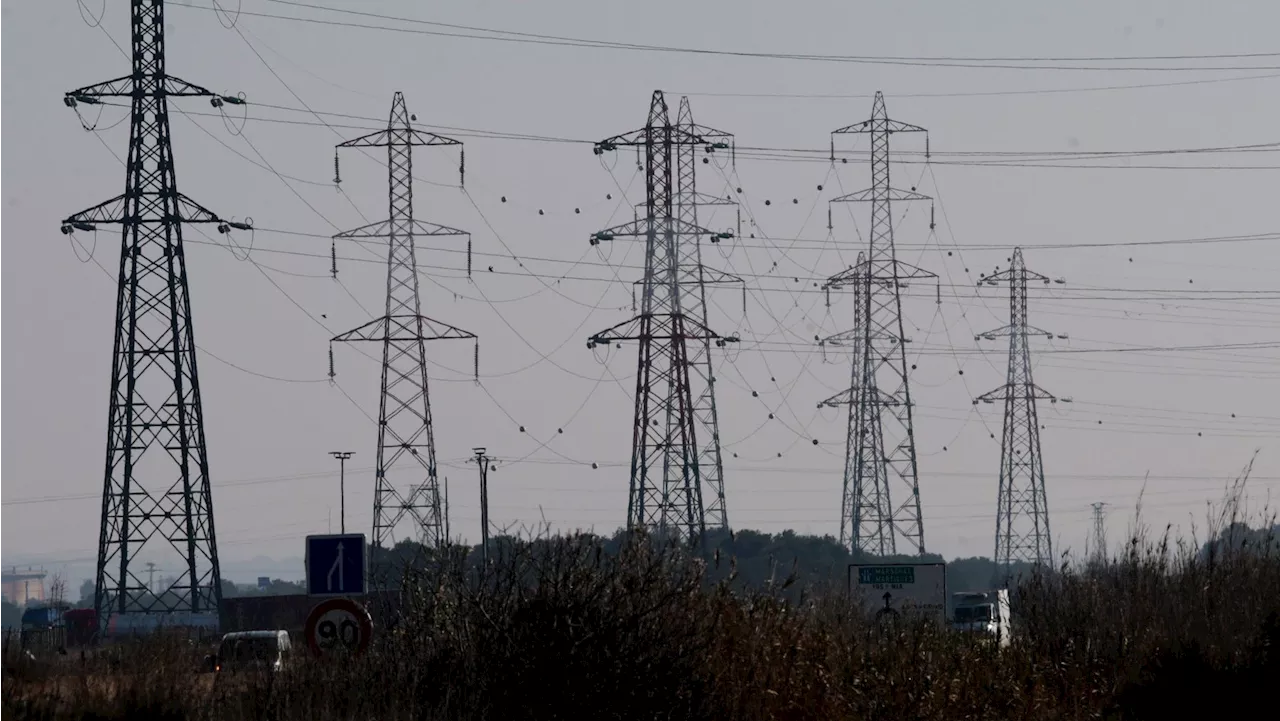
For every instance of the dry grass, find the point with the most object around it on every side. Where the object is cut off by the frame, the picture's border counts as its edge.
(561, 629)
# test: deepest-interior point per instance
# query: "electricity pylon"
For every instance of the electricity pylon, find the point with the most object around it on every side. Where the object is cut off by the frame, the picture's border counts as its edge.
(1022, 513)
(865, 511)
(694, 279)
(156, 486)
(1098, 552)
(880, 455)
(666, 472)
(405, 482)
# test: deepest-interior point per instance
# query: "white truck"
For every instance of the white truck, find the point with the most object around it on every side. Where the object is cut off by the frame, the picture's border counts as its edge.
(984, 612)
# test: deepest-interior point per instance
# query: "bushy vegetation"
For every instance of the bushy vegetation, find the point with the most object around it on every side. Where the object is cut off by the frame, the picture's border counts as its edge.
(576, 628)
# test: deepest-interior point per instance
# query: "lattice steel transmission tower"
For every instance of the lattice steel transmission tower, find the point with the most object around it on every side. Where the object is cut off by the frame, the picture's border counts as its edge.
(694, 279)
(1098, 540)
(667, 472)
(405, 481)
(880, 460)
(156, 487)
(1022, 513)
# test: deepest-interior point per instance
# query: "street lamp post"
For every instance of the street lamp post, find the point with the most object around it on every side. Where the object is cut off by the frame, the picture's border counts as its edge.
(342, 457)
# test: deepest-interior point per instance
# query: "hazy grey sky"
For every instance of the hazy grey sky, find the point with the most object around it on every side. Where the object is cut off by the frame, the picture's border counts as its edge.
(1164, 414)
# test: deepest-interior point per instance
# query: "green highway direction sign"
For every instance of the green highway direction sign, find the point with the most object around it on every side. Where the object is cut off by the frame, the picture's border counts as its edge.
(900, 589)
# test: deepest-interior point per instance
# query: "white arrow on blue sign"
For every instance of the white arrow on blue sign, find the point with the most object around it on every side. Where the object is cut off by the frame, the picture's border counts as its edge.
(336, 565)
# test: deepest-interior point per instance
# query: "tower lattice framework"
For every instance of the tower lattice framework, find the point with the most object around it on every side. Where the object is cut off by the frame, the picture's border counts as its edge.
(1022, 513)
(156, 498)
(694, 279)
(666, 486)
(880, 502)
(1098, 539)
(405, 482)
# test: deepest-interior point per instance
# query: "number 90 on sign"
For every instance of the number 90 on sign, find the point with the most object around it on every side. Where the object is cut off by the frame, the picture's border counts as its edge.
(338, 626)
(337, 629)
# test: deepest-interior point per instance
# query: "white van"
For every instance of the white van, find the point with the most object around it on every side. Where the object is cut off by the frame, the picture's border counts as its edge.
(984, 612)
(253, 650)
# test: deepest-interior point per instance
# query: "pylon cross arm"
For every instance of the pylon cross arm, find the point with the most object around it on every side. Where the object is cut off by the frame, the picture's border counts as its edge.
(843, 398)
(403, 328)
(700, 198)
(868, 194)
(712, 276)
(879, 272)
(844, 338)
(696, 198)
(399, 136)
(1015, 390)
(383, 229)
(1009, 330)
(677, 134)
(114, 211)
(124, 87)
(1010, 275)
(632, 329)
(890, 126)
(643, 226)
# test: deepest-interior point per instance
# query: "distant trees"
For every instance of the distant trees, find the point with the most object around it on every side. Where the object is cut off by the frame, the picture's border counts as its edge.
(1238, 536)
(12, 614)
(277, 587)
(86, 594)
(755, 559)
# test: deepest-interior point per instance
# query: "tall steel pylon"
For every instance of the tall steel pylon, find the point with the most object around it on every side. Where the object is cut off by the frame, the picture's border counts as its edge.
(156, 486)
(1098, 541)
(666, 471)
(880, 453)
(694, 279)
(405, 481)
(1022, 513)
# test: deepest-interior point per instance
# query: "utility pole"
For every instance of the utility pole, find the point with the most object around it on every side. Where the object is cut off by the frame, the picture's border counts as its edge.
(151, 576)
(880, 452)
(1099, 550)
(1022, 513)
(405, 477)
(482, 462)
(342, 457)
(665, 494)
(694, 279)
(161, 496)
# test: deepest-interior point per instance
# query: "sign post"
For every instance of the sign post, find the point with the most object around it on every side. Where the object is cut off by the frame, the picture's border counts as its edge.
(336, 565)
(898, 590)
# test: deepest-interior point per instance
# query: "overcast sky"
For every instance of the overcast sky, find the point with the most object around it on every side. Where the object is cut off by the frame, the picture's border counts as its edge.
(1164, 416)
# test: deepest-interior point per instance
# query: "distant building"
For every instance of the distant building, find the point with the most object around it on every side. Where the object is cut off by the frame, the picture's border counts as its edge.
(23, 586)
(264, 582)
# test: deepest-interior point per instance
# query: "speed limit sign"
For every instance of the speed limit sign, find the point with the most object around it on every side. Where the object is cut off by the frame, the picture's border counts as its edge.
(338, 626)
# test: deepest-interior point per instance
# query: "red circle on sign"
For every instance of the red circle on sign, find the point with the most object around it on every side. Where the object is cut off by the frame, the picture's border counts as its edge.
(338, 623)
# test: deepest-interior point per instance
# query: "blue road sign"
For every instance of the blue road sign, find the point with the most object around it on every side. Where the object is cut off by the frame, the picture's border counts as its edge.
(335, 565)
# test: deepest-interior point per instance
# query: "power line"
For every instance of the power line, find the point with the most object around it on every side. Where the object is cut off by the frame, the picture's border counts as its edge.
(983, 94)
(493, 35)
